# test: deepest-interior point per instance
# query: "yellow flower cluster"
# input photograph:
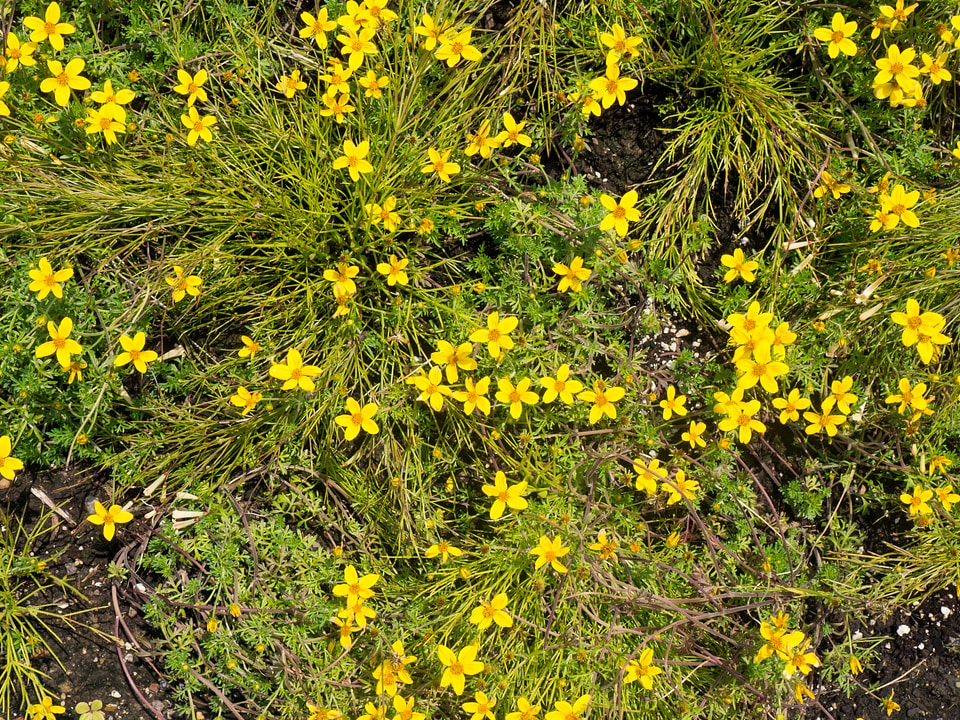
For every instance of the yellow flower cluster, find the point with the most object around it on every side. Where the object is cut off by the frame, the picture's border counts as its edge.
(917, 502)
(790, 646)
(355, 590)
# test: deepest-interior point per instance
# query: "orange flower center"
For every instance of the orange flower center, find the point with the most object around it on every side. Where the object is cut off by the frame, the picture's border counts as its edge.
(295, 374)
(357, 419)
(456, 48)
(514, 397)
(50, 28)
(192, 87)
(896, 68)
(63, 80)
(838, 36)
(456, 668)
(494, 335)
(49, 281)
(612, 87)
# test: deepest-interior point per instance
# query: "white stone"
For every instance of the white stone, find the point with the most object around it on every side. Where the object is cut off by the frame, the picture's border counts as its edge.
(903, 630)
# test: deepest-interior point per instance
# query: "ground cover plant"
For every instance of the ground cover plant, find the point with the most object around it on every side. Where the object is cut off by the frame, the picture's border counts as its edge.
(389, 405)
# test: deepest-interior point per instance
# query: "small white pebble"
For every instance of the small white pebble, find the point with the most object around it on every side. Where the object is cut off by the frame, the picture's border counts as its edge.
(903, 630)
(857, 635)
(945, 611)
(920, 646)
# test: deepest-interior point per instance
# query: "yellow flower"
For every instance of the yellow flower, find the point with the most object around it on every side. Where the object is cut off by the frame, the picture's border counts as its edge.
(946, 496)
(741, 418)
(693, 435)
(454, 46)
(896, 68)
(75, 368)
(516, 396)
(497, 334)
(18, 53)
(778, 641)
(620, 213)
(108, 96)
(250, 347)
(566, 711)
(4, 108)
(49, 28)
(108, 518)
(739, 267)
(245, 399)
(621, 46)
(748, 326)
(404, 709)
(191, 86)
(46, 281)
(289, 85)
(673, 403)
(183, 286)
(373, 87)
(336, 79)
(457, 666)
(487, 613)
(829, 184)
(838, 35)
(431, 387)
(761, 368)
(354, 159)
(474, 396)
(824, 421)
(887, 703)
(648, 473)
(8, 465)
(506, 495)
(454, 357)
(199, 127)
(294, 373)
(549, 551)
(357, 418)
(321, 713)
(317, 27)
(444, 550)
(354, 587)
(357, 45)
(917, 502)
(641, 669)
(525, 711)
(560, 386)
(897, 15)
(343, 277)
(605, 547)
(856, 667)
(898, 204)
(64, 79)
(935, 68)
(440, 164)
(800, 691)
(791, 406)
(840, 392)
(133, 352)
(374, 712)
(800, 659)
(395, 272)
(680, 488)
(512, 132)
(481, 142)
(603, 399)
(60, 342)
(573, 276)
(108, 120)
(346, 629)
(611, 87)
(920, 329)
(431, 31)
(939, 463)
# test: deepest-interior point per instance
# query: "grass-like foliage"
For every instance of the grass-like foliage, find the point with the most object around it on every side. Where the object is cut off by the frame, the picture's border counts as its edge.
(392, 400)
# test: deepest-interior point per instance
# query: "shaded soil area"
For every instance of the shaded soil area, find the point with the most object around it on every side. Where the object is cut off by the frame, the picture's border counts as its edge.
(919, 661)
(103, 661)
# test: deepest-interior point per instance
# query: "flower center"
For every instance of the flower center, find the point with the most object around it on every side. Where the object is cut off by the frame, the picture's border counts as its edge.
(514, 397)
(456, 668)
(896, 68)
(50, 28)
(456, 48)
(357, 419)
(494, 335)
(63, 80)
(295, 374)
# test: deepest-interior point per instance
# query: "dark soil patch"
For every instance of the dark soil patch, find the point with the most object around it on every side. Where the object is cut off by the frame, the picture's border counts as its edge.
(920, 662)
(95, 666)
